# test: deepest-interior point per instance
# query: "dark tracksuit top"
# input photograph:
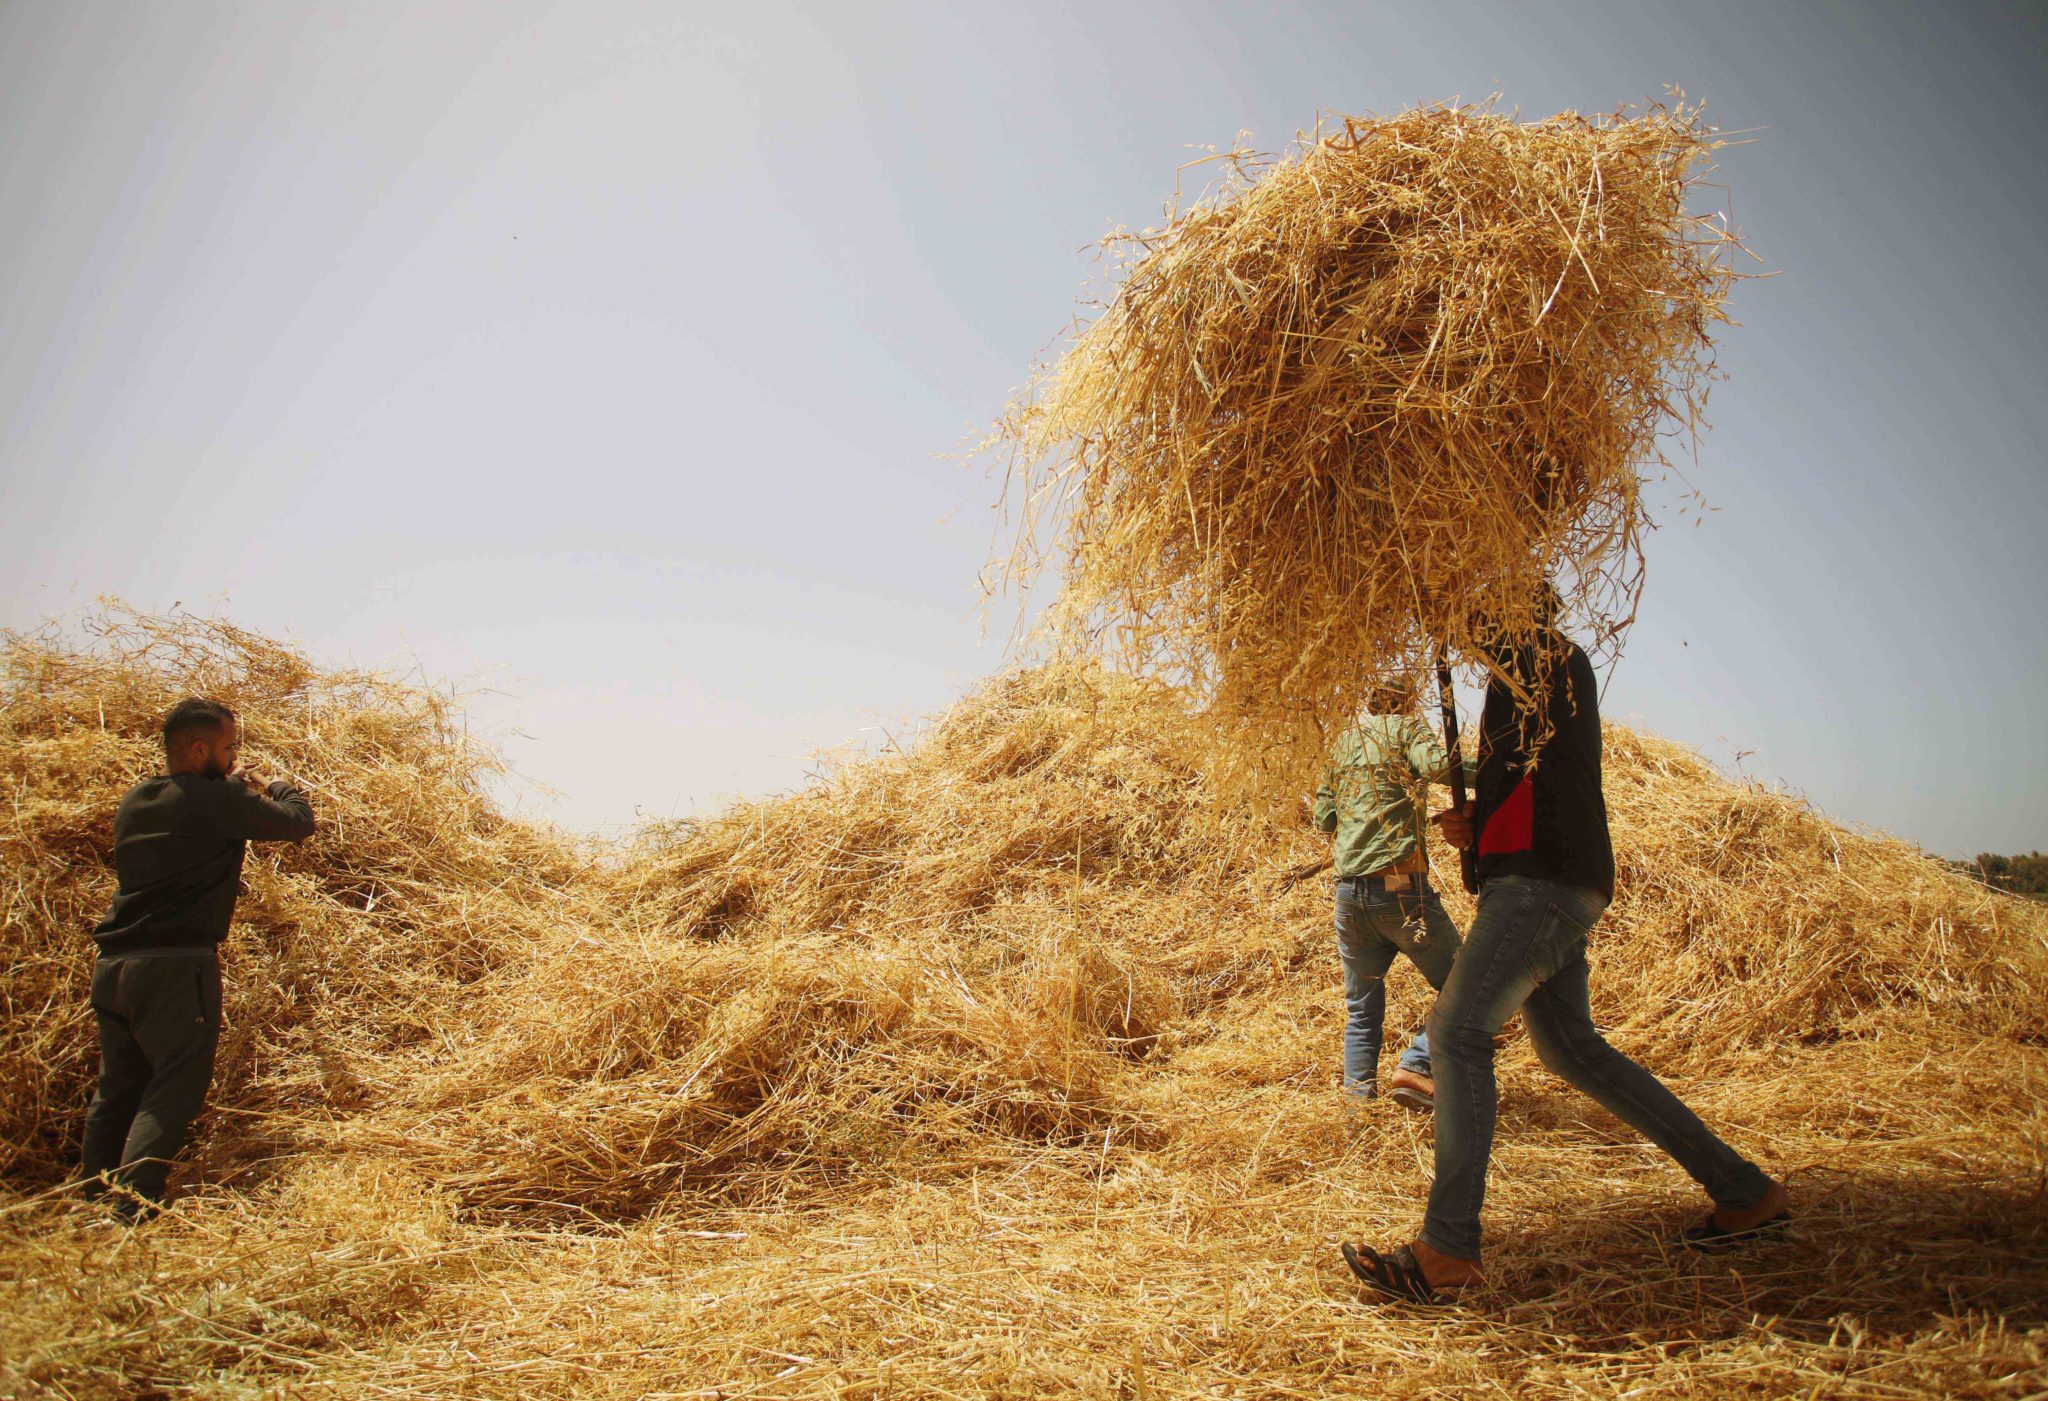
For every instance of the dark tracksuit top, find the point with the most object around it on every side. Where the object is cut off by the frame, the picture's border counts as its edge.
(1545, 819)
(178, 846)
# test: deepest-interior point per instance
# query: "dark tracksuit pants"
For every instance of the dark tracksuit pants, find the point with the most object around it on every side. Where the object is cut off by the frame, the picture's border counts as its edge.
(159, 1022)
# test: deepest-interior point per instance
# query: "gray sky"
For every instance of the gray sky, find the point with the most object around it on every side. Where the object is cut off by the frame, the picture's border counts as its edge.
(607, 352)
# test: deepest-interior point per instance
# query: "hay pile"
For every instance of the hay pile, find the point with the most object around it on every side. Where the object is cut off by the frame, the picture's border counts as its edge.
(414, 883)
(984, 1068)
(1357, 404)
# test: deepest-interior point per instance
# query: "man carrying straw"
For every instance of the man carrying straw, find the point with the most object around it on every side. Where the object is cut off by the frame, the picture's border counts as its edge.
(1546, 872)
(179, 839)
(1373, 401)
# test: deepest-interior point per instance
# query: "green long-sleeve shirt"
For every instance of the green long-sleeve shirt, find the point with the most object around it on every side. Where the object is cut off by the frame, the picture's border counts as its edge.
(1378, 771)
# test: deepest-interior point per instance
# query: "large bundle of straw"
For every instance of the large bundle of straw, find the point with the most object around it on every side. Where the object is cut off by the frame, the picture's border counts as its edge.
(1362, 402)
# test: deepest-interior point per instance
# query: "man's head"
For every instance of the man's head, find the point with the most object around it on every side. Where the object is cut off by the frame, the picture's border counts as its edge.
(1538, 621)
(1394, 696)
(202, 737)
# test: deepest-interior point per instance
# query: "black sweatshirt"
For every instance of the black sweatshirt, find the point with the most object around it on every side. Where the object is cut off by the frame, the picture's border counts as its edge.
(1548, 820)
(178, 844)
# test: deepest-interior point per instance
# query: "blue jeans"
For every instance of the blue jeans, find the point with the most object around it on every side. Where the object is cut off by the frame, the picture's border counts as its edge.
(1527, 949)
(1372, 926)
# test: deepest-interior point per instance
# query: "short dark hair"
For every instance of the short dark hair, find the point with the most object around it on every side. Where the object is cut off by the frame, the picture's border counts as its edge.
(191, 717)
(1394, 695)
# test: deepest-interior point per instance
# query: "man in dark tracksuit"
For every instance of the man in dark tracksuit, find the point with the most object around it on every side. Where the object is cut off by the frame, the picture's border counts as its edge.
(178, 845)
(1546, 872)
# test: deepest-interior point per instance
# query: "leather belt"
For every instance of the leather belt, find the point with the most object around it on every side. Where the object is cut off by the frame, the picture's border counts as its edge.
(1402, 881)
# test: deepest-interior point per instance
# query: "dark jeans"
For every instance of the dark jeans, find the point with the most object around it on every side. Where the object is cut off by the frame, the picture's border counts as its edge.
(159, 1021)
(1372, 926)
(1527, 949)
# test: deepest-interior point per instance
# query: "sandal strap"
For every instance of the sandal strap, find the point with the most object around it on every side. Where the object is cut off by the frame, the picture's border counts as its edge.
(1415, 1284)
(1397, 1274)
(1709, 1235)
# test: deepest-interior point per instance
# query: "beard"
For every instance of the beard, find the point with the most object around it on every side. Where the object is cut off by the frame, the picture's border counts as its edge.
(215, 769)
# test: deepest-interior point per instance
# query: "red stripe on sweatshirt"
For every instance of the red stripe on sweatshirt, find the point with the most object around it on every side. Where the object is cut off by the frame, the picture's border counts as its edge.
(1512, 826)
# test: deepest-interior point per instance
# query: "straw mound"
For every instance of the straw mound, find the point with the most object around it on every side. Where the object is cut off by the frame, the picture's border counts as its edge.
(1746, 915)
(414, 881)
(1247, 455)
(1016, 933)
(999, 1066)
(929, 956)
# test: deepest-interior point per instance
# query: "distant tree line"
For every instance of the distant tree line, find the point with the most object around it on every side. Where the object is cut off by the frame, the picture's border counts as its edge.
(2022, 875)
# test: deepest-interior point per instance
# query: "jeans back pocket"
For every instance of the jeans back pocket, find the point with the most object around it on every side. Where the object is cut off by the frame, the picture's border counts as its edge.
(1559, 940)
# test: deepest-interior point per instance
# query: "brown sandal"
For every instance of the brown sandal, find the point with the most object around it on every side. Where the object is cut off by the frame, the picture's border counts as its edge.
(1397, 1275)
(1711, 1234)
(1710, 1237)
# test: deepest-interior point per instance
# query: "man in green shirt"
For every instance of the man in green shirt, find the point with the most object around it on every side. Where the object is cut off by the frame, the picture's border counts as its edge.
(1368, 800)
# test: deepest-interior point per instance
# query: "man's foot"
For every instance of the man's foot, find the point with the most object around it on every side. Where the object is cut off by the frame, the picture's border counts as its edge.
(1415, 1272)
(1724, 1228)
(1413, 1091)
(1360, 1090)
(131, 1208)
(1445, 1271)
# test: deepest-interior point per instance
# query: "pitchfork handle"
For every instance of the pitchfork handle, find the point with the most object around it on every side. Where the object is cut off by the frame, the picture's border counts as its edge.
(1468, 860)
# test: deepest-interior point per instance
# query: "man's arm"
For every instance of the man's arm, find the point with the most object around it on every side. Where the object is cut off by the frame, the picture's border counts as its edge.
(1325, 810)
(277, 813)
(1426, 753)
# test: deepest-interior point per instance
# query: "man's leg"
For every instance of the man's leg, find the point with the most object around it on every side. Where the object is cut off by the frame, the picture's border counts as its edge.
(1431, 941)
(177, 1020)
(1560, 1018)
(1490, 979)
(124, 1075)
(1365, 957)
(1415, 1060)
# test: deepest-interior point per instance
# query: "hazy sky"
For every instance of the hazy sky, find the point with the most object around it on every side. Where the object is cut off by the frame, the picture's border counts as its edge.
(607, 352)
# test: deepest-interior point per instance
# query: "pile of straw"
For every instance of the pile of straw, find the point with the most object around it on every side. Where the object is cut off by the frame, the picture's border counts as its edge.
(1359, 403)
(983, 1068)
(414, 882)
